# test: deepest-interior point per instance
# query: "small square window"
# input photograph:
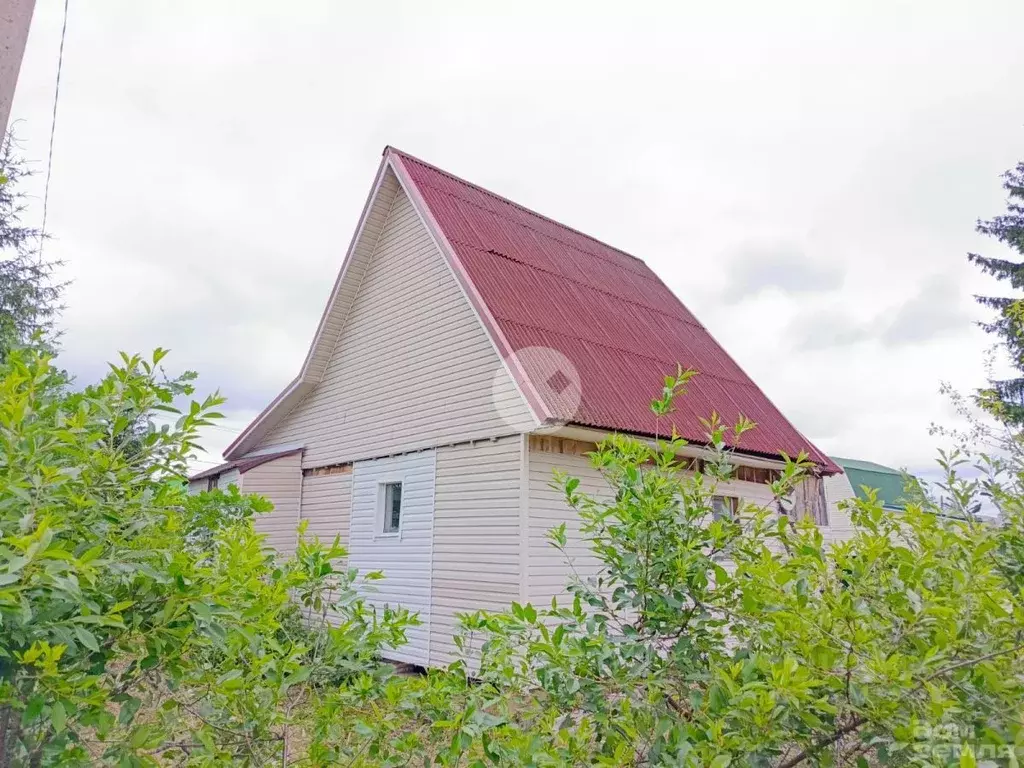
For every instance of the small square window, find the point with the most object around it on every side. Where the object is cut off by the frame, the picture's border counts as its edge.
(392, 507)
(213, 483)
(724, 507)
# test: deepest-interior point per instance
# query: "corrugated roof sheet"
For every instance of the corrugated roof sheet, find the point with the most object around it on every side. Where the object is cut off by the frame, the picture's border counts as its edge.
(547, 285)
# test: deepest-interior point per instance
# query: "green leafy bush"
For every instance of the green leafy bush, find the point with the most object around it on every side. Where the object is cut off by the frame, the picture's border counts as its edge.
(141, 626)
(138, 624)
(706, 641)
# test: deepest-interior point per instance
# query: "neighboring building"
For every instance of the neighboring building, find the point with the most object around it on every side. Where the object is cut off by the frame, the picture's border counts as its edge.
(470, 347)
(890, 489)
(860, 475)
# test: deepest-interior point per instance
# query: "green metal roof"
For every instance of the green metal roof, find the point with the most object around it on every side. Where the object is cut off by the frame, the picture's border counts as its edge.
(886, 480)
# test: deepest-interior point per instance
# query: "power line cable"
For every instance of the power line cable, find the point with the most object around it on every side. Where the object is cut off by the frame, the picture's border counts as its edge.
(53, 128)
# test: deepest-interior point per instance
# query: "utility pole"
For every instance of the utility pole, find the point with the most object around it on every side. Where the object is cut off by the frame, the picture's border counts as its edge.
(15, 17)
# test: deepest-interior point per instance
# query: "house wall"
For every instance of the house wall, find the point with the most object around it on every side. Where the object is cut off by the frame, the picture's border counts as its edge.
(327, 505)
(404, 558)
(224, 479)
(838, 490)
(476, 564)
(413, 366)
(229, 477)
(280, 481)
(548, 569)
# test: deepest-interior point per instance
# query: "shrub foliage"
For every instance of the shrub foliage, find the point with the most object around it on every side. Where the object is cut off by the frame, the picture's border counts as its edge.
(143, 626)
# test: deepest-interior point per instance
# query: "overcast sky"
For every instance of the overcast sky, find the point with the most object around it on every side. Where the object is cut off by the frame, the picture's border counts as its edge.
(804, 176)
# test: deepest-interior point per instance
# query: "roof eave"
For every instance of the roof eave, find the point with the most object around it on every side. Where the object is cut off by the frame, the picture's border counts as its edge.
(695, 449)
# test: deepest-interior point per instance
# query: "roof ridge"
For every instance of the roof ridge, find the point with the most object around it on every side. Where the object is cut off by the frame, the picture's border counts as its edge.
(866, 465)
(513, 203)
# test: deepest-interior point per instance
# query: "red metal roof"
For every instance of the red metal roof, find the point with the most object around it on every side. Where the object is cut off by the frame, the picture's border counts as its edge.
(547, 285)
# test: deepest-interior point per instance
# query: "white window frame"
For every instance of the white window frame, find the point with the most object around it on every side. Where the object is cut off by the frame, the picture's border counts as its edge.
(382, 486)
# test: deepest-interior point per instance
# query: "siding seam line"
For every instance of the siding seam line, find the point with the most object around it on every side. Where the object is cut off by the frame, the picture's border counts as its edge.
(430, 563)
(524, 518)
(431, 447)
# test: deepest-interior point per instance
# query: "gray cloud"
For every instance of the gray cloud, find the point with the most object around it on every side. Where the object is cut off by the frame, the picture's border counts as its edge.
(827, 329)
(785, 268)
(934, 312)
(937, 310)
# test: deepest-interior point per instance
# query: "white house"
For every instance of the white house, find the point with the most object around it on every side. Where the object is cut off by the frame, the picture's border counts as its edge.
(469, 348)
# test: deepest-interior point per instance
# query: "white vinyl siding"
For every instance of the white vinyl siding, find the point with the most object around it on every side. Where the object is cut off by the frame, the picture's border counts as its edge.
(230, 477)
(838, 489)
(413, 366)
(405, 557)
(280, 481)
(549, 570)
(327, 506)
(476, 536)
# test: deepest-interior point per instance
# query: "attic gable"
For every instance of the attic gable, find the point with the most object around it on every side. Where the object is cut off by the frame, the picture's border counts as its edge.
(400, 360)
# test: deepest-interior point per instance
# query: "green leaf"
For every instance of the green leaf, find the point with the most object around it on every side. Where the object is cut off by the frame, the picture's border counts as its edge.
(87, 638)
(129, 706)
(299, 676)
(232, 674)
(58, 717)
(33, 709)
(363, 729)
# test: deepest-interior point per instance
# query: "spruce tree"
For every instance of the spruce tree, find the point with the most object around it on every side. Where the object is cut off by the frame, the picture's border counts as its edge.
(1005, 397)
(29, 298)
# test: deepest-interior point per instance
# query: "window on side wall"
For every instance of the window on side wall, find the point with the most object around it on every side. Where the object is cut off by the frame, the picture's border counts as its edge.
(212, 483)
(724, 507)
(391, 499)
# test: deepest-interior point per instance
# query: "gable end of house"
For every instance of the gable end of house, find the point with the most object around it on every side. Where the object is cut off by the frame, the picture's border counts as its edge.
(402, 359)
